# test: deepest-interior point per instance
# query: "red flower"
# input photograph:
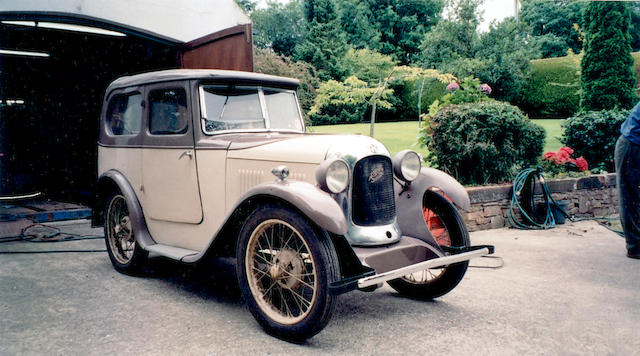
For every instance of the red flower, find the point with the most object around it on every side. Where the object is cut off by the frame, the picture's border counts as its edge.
(566, 149)
(582, 164)
(563, 158)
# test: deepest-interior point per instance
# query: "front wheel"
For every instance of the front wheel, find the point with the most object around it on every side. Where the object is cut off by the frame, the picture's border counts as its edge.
(284, 269)
(448, 229)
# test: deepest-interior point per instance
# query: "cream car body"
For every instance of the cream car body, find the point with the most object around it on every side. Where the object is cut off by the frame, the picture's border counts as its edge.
(201, 163)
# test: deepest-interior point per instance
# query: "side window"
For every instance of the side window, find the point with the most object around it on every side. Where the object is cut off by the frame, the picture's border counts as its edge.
(168, 111)
(124, 114)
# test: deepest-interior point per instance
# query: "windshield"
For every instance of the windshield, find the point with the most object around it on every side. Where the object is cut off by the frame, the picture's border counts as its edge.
(230, 108)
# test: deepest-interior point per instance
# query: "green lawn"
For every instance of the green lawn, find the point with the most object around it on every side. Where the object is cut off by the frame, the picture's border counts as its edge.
(398, 136)
(554, 131)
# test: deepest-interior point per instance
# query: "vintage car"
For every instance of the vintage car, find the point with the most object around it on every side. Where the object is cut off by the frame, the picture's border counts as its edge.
(195, 164)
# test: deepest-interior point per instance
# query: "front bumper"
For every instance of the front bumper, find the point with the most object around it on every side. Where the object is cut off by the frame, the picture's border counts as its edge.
(473, 251)
(409, 256)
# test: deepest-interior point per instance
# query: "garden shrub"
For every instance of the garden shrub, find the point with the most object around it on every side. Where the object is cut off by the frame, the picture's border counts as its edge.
(553, 88)
(345, 102)
(593, 135)
(407, 84)
(469, 90)
(407, 92)
(478, 143)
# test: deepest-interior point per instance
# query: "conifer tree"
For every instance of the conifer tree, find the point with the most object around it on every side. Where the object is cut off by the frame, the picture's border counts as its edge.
(325, 42)
(608, 78)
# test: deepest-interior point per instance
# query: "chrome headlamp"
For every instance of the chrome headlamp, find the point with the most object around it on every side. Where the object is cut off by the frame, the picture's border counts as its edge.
(333, 176)
(406, 165)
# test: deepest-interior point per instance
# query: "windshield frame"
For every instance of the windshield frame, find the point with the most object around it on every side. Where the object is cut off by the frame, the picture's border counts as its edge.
(263, 106)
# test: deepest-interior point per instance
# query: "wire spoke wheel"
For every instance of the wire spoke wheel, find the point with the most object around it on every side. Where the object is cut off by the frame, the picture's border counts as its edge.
(448, 229)
(438, 228)
(281, 271)
(284, 267)
(119, 234)
(124, 252)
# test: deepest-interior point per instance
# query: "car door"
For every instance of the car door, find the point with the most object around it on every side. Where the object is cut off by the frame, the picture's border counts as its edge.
(169, 173)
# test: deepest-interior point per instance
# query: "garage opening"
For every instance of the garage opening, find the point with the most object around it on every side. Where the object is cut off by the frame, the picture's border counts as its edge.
(57, 58)
(52, 82)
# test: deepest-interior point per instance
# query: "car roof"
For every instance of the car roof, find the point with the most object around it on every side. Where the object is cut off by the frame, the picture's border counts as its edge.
(237, 77)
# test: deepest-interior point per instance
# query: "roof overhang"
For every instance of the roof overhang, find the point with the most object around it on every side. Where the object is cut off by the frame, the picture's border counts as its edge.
(169, 21)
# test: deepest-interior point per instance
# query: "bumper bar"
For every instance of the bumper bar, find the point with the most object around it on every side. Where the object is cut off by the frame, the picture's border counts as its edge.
(471, 252)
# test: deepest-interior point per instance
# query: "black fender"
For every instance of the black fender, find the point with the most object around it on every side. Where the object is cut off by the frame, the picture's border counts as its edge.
(105, 185)
(409, 201)
(317, 205)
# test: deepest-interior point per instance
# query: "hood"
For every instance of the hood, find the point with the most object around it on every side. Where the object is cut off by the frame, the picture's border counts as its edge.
(309, 148)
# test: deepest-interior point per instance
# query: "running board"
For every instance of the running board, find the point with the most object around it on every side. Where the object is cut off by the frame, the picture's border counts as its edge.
(476, 251)
(174, 253)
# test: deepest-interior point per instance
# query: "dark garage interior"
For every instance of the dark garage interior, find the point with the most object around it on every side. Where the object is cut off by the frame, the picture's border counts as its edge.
(54, 69)
(48, 137)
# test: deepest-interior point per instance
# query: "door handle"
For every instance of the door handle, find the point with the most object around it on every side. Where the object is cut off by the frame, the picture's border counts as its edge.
(186, 153)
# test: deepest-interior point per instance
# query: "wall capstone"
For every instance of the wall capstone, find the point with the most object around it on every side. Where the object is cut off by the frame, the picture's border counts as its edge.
(590, 196)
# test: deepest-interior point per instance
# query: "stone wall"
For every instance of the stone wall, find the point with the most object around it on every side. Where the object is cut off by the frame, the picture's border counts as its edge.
(591, 196)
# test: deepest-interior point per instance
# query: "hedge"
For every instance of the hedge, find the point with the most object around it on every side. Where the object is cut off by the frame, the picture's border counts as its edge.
(552, 89)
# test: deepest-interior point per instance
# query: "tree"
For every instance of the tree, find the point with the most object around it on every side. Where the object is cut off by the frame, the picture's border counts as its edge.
(556, 22)
(367, 65)
(325, 43)
(454, 37)
(403, 24)
(246, 5)
(608, 78)
(551, 45)
(634, 7)
(505, 53)
(268, 62)
(280, 27)
(499, 57)
(359, 25)
(346, 102)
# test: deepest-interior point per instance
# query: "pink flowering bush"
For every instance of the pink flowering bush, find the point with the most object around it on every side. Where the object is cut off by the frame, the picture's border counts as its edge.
(469, 90)
(453, 86)
(561, 162)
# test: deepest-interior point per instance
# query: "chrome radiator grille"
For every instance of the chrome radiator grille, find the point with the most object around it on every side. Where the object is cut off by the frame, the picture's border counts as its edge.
(372, 196)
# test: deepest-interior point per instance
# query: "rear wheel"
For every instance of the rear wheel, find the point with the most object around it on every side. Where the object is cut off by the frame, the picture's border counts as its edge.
(448, 229)
(124, 252)
(284, 269)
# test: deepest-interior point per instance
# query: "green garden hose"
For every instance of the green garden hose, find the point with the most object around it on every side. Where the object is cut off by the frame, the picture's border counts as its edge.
(522, 199)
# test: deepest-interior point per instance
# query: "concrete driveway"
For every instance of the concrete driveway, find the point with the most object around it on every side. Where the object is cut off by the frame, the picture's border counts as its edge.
(565, 291)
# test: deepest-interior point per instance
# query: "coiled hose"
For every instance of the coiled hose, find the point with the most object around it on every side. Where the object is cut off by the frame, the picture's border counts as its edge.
(522, 200)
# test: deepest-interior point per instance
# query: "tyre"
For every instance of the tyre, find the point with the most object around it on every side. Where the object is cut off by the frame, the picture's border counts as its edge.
(448, 229)
(284, 268)
(124, 252)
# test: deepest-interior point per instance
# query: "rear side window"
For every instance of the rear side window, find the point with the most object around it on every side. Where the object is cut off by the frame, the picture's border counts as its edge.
(168, 111)
(124, 114)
